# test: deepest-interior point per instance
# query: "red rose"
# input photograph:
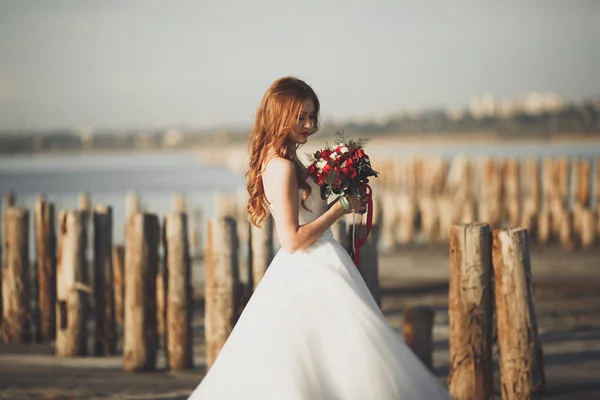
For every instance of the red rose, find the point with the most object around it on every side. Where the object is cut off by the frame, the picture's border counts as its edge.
(360, 153)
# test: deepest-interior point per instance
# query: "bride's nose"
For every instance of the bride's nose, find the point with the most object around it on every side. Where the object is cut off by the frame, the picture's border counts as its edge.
(308, 124)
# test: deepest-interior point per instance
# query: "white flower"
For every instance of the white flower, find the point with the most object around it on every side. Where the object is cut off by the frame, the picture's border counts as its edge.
(344, 150)
(333, 156)
(321, 164)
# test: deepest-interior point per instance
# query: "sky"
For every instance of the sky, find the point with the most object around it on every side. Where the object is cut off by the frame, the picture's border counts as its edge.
(143, 64)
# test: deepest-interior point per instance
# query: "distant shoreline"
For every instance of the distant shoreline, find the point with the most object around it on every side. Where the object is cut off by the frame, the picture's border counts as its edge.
(378, 140)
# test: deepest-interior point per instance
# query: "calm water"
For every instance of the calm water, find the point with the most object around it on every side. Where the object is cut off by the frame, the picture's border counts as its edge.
(108, 177)
(157, 176)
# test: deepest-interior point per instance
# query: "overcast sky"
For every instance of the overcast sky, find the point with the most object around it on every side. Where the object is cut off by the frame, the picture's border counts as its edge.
(123, 64)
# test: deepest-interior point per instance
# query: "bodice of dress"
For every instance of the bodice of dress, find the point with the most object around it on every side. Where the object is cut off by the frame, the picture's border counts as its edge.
(315, 204)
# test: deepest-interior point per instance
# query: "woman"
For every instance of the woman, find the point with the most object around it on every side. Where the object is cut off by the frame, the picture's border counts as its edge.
(311, 330)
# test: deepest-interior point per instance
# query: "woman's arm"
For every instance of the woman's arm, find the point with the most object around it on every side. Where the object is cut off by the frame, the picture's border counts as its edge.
(281, 189)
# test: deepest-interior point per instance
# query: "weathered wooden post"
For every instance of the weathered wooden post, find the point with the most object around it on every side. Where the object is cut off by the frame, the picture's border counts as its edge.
(118, 263)
(71, 311)
(417, 328)
(588, 227)
(222, 279)
(141, 268)
(368, 264)
(16, 326)
(179, 305)
(567, 235)
(45, 244)
(179, 203)
(105, 334)
(388, 224)
(470, 312)
(544, 227)
(407, 209)
(521, 360)
(430, 221)
(262, 249)
(583, 169)
(512, 190)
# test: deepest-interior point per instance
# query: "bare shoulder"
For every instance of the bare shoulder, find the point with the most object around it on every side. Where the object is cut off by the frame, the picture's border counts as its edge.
(279, 170)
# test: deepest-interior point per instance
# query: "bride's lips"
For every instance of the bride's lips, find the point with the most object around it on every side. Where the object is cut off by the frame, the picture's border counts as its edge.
(304, 134)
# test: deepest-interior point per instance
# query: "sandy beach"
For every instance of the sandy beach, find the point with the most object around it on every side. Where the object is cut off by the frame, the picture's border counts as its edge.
(567, 290)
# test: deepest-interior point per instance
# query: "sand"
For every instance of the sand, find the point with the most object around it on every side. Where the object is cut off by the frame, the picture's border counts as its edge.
(567, 289)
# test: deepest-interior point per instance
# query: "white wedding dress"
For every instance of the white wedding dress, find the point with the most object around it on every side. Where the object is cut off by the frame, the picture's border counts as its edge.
(312, 331)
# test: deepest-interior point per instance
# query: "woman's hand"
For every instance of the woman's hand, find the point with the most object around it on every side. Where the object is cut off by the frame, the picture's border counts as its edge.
(354, 203)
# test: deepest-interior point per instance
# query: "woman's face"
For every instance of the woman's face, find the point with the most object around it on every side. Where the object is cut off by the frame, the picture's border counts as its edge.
(306, 121)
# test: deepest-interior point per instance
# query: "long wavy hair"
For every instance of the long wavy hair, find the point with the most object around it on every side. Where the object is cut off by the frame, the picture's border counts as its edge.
(276, 117)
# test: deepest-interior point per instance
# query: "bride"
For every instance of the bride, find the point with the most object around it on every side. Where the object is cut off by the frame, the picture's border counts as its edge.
(311, 330)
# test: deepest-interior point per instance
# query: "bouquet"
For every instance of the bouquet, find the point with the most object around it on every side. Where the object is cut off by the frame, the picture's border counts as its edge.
(345, 169)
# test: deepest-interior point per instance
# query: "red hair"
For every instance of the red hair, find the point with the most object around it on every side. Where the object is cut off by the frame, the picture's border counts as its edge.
(276, 117)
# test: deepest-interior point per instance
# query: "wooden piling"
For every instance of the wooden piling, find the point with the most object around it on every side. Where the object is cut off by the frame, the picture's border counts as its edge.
(418, 329)
(118, 263)
(583, 169)
(262, 249)
(104, 295)
(544, 227)
(72, 289)
(588, 227)
(16, 325)
(470, 312)
(521, 363)
(141, 268)
(45, 245)
(222, 279)
(179, 305)
(407, 209)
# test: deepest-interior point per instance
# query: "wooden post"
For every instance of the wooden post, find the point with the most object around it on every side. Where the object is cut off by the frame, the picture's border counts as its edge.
(544, 227)
(389, 226)
(512, 192)
(521, 362)
(179, 203)
(222, 279)
(262, 249)
(407, 209)
(106, 334)
(141, 267)
(470, 312)
(179, 294)
(417, 328)
(430, 222)
(118, 264)
(448, 214)
(588, 227)
(16, 326)
(368, 264)
(583, 169)
(45, 244)
(567, 235)
(563, 166)
(71, 311)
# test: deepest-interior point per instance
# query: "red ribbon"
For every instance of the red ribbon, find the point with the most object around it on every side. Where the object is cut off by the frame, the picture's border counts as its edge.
(359, 242)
